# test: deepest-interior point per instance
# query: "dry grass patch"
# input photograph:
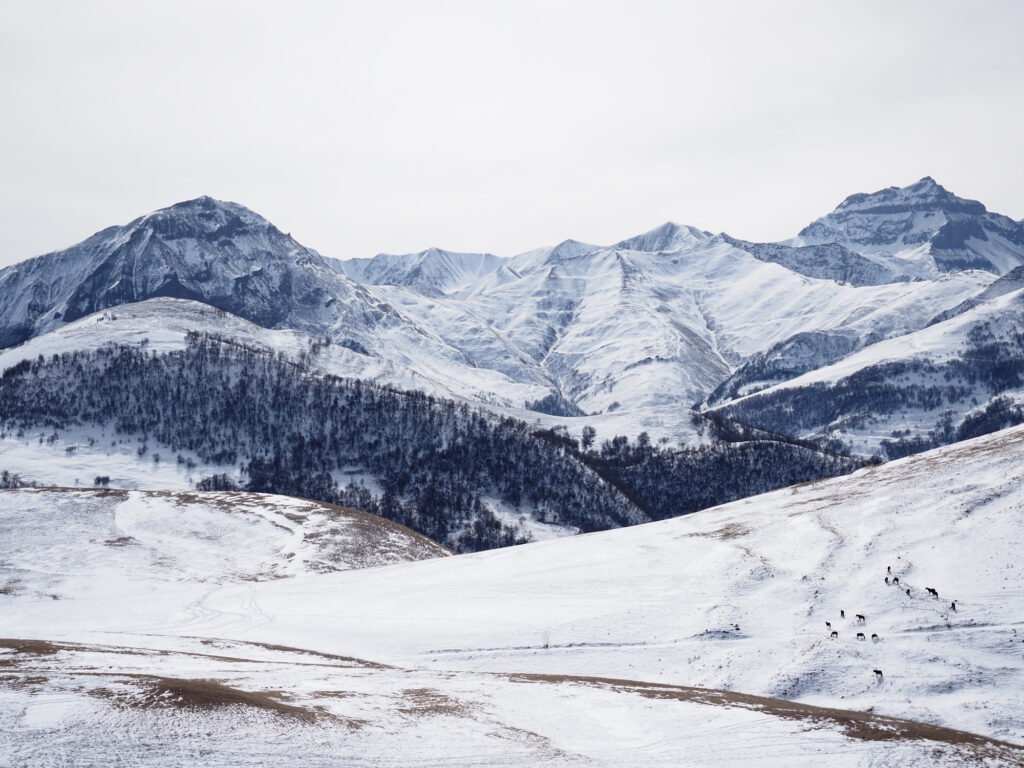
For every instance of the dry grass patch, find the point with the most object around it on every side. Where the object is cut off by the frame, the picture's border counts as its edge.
(30, 647)
(163, 692)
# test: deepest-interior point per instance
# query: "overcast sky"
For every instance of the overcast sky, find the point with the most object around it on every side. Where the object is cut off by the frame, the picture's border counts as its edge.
(394, 126)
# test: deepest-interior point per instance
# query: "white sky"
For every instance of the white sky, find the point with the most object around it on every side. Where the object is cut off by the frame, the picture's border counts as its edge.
(394, 126)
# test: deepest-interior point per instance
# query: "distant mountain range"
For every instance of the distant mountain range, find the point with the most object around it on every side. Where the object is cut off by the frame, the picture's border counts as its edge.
(628, 336)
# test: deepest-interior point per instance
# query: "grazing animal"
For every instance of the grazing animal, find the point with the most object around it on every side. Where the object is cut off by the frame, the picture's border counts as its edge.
(895, 579)
(886, 579)
(834, 634)
(860, 618)
(874, 637)
(953, 605)
(842, 614)
(888, 569)
(932, 592)
(878, 673)
(828, 624)
(908, 591)
(860, 635)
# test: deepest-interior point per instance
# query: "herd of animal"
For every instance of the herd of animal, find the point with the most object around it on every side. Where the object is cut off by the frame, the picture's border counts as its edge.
(890, 580)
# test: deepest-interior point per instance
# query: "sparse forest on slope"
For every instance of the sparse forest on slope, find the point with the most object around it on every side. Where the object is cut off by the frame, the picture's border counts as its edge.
(437, 463)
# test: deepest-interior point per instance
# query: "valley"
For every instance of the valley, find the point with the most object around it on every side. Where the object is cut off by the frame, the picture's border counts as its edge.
(681, 497)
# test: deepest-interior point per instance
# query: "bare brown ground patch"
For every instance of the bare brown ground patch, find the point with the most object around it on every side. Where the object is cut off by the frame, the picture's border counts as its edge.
(430, 701)
(30, 647)
(164, 692)
(864, 726)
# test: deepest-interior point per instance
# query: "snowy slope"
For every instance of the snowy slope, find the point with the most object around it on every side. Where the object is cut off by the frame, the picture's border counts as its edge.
(968, 361)
(737, 597)
(201, 537)
(512, 649)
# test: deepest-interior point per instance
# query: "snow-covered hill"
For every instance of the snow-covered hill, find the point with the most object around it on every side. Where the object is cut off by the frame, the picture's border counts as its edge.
(952, 379)
(572, 652)
(200, 537)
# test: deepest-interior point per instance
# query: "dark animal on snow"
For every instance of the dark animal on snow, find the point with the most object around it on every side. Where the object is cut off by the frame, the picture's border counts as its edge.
(834, 634)
(874, 637)
(895, 579)
(828, 624)
(888, 569)
(860, 618)
(842, 614)
(953, 605)
(932, 592)
(878, 673)
(908, 591)
(886, 579)
(860, 635)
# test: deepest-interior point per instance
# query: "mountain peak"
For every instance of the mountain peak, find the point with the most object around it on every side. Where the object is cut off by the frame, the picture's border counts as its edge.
(197, 204)
(934, 230)
(570, 249)
(667, 237)
(202, 217)
(925, 195)
(926, 183)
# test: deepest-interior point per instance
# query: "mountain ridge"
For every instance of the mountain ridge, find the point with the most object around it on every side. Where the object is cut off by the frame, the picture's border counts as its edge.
(631, 334)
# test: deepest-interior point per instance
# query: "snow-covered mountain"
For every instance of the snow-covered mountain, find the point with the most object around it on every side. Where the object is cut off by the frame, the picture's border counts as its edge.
(433, 272)
(626, 337)
(228, 257)
(920, 230)
(219, 253)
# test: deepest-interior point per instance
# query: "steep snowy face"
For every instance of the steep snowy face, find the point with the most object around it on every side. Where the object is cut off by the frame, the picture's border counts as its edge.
(433, 272)
(218, 253)
(929, 228)
(829, 261)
